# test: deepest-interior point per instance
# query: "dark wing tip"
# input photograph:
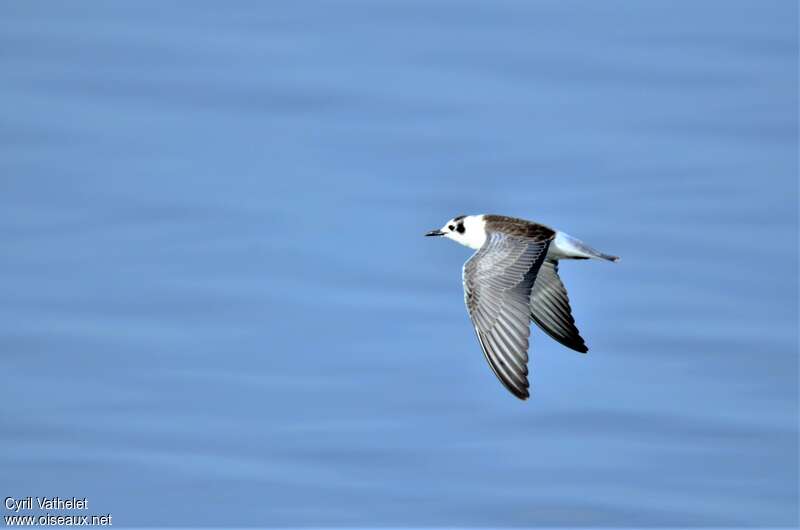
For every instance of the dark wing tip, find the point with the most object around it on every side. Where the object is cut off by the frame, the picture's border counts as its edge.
(574, 343)
(522, 396)
(520, 392)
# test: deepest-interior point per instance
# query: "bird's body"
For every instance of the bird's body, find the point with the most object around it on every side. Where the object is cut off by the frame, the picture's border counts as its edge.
(512, 279)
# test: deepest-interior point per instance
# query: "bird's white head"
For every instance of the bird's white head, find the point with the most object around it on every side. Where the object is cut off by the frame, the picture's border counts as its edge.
(469, 230)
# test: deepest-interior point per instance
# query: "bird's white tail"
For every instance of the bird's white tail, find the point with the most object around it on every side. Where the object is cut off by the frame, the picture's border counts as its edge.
(564, 246)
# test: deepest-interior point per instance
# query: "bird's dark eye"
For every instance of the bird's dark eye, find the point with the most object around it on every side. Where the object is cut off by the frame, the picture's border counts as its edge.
(451, 227)
(460, 228)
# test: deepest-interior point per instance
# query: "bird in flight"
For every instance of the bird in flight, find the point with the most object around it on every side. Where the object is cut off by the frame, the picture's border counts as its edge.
(511, 280)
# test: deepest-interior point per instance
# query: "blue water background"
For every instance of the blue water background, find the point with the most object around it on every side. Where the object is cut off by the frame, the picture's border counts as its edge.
(217, 306)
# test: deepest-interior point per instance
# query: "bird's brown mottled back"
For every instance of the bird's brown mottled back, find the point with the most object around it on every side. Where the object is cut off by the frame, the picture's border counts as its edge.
(518, 227)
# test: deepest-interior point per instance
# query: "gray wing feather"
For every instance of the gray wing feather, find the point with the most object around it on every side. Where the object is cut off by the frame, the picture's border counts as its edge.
(498, 280)
(550, 308)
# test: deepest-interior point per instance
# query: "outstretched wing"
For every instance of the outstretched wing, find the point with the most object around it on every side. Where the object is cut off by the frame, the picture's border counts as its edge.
(498, 280)
(550, 308)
